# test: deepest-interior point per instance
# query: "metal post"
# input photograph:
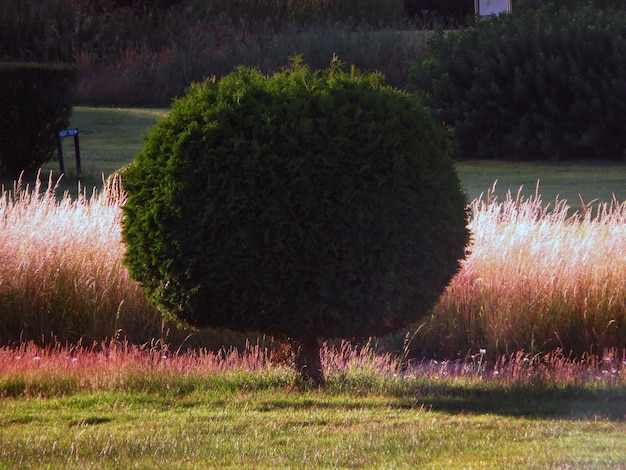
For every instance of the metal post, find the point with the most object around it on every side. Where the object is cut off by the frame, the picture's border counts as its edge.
(60, 150)
(69, 133)
(79, 169)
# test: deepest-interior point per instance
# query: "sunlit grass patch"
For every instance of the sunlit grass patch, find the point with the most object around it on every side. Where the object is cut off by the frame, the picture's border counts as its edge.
(60, 267)
(119, 405)
(538, 279)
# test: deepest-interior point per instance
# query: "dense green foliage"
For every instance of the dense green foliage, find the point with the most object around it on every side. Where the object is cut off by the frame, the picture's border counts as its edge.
(303, 203)
(547, 84)
(36, 101)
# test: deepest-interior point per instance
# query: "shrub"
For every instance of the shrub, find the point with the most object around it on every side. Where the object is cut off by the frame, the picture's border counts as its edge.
(36, 101)
(548, 84)
(304, 204)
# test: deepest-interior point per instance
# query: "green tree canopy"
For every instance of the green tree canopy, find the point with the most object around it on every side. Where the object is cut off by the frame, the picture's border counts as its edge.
(303, 204)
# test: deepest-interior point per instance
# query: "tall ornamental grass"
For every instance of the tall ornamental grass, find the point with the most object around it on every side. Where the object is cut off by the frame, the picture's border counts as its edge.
(538, 279)
(60, 272)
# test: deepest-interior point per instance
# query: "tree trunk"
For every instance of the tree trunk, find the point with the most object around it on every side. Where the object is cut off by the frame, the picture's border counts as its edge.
(308, 361)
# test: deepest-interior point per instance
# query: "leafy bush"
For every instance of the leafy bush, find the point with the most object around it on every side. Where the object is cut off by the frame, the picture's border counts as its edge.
(36, 101)
(549, 84)
(305, 204)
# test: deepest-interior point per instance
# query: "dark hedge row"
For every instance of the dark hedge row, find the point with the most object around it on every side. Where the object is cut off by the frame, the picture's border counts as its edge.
(546, 84)
(36, 101)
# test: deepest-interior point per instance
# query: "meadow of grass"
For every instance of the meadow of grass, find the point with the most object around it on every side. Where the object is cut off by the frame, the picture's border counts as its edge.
(538, 277)
(120, 406)
(61, 272)
(61, 269)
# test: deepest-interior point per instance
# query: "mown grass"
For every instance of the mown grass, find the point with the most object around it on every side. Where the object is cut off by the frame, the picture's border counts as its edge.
(145, 408)
(109, 138)
(274, 429)
(581, 184)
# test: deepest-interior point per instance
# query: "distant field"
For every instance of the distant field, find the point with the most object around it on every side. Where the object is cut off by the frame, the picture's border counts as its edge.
(600, 181)
(111, 137)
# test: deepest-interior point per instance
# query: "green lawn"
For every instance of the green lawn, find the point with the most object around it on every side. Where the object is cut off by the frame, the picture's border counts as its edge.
(111, 137)
(598, 181)
(449, 427)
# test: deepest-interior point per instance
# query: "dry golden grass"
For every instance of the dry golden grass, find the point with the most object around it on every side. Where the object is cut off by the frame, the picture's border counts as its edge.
(60, 267)
(539, 279)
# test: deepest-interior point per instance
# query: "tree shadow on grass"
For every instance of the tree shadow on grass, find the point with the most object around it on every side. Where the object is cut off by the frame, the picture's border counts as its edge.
(530, 400)
(527, 400)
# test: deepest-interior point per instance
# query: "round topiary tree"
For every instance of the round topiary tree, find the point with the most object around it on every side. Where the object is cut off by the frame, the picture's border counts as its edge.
(303, 205)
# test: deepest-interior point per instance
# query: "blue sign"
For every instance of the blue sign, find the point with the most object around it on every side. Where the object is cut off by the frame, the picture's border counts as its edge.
(68, 132)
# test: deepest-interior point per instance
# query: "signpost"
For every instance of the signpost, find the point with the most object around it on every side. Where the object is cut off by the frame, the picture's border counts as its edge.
(73, 132)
